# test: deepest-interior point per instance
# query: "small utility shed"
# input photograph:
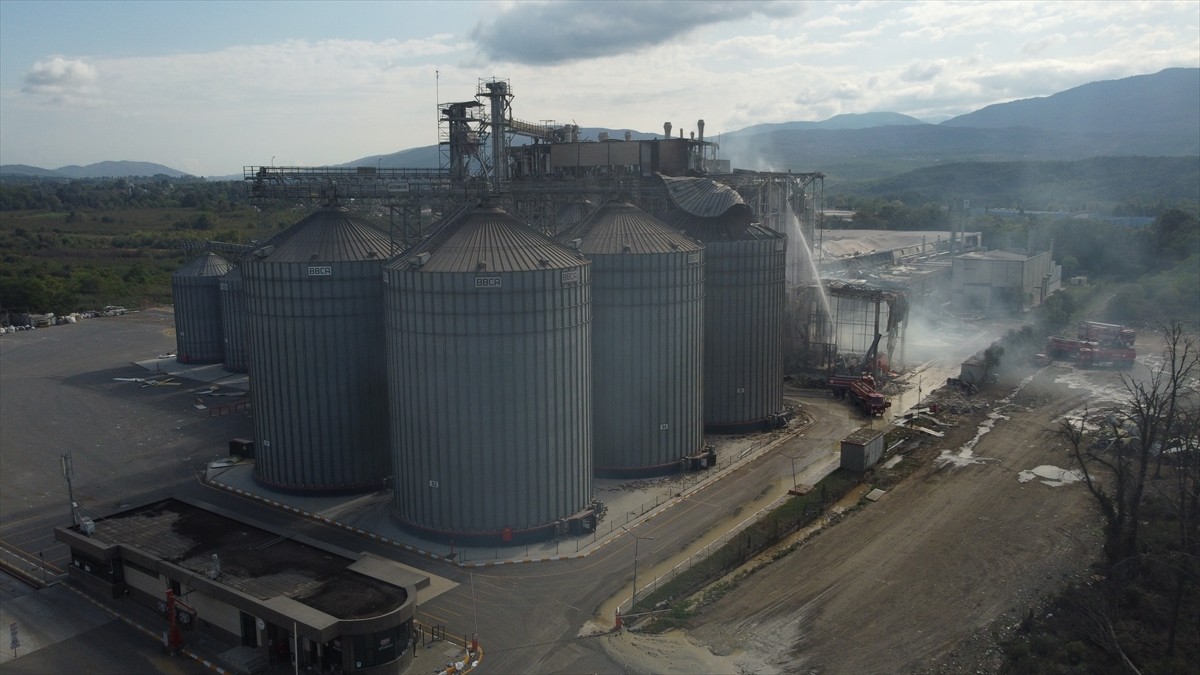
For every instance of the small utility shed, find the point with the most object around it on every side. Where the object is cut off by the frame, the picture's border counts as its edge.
(862, 449)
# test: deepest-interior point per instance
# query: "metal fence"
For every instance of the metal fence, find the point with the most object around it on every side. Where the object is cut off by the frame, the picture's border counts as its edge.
(702, 554)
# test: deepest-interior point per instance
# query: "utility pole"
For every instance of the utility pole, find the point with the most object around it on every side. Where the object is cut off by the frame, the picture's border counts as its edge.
(475, 611)
(67, 471)
(636, 540)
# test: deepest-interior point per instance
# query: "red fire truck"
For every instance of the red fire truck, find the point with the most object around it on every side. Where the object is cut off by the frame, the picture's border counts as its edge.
(1107, 334)
(861, 390)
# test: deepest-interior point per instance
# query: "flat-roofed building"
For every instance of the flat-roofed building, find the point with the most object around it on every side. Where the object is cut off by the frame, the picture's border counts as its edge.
(988, 279)
(280, 596)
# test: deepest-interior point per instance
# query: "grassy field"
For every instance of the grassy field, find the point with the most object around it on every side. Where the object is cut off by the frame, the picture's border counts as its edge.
(64, 261)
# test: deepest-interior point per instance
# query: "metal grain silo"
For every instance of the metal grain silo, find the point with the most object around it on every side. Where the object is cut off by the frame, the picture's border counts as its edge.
(647, 341)
(744, 282)
(233, 320)
(489, 370)
(195, 289)
(315, 323)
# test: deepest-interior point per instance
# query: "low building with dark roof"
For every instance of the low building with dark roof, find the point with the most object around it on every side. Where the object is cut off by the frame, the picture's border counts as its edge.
(275, 594)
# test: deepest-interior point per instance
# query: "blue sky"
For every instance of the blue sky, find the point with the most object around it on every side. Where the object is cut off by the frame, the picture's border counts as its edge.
(207, 87)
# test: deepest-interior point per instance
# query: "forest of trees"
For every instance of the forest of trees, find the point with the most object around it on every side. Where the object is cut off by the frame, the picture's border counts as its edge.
(81, 244)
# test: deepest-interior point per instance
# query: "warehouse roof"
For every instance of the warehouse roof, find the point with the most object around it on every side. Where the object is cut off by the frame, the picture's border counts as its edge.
(254, 561)
(851, 243)
(995, 255)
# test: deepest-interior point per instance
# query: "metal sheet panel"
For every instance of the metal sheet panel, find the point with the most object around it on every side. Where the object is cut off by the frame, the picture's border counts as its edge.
(195, 290)
(316, 363)
(233, 321)
(490, 388)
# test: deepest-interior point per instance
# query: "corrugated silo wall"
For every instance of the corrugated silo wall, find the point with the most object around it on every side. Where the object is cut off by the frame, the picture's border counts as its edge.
(647, 337)
(317, 380)
(233, 321)
(743, 320)
(199, 337)
(491, 401)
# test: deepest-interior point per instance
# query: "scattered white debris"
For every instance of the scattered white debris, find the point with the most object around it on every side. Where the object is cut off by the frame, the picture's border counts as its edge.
(1050, 475)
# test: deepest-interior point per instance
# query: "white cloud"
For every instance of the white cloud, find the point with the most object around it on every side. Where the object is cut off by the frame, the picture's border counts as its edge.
(62, 81)
(550, 33)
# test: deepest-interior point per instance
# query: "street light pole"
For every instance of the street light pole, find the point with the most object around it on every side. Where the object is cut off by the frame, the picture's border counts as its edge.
(794, 485)
(636, 541)
(67, 470)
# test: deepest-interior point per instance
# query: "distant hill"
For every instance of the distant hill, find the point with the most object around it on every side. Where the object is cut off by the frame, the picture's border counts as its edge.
(26, 170)
(120, 169)
(425, 157)
(1074, 185)
(1148, 115)
(1167, 102)
(844, 121)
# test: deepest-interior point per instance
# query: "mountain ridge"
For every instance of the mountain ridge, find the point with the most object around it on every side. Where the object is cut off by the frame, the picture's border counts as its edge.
(1155, 114)
(105, 169)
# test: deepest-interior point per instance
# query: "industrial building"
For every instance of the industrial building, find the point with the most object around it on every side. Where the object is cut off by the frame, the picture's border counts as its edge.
(285, 599)
(233, 322)
(985, 280)
(196, 292)
(872, 281)
(744, 296)
(489, 359)
(313, 302)
(511, 359)
(648, 297)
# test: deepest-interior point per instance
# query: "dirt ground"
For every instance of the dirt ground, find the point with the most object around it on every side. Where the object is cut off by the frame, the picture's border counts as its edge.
(933, 575)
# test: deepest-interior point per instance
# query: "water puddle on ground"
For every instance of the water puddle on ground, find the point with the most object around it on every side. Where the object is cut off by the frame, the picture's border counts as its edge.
(1050, 475)
(1114, 392)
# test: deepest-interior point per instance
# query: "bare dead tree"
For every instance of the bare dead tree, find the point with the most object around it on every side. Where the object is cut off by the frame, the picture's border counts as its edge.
(1103, 454)
(1116, 472)
(1093, 613)
(1158, 425)
(1182, 498)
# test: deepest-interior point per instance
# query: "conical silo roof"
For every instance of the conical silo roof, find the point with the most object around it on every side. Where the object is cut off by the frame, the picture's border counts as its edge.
(207, 265)
(620, 227)
(489, 239)
(329, 235)
(707, 210)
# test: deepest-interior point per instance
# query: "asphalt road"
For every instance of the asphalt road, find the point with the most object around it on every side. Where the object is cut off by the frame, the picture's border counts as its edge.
(131, 445)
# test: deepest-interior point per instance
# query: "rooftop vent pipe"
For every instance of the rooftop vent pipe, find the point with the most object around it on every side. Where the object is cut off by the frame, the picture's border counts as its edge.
(667, 129)
(700, 129)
